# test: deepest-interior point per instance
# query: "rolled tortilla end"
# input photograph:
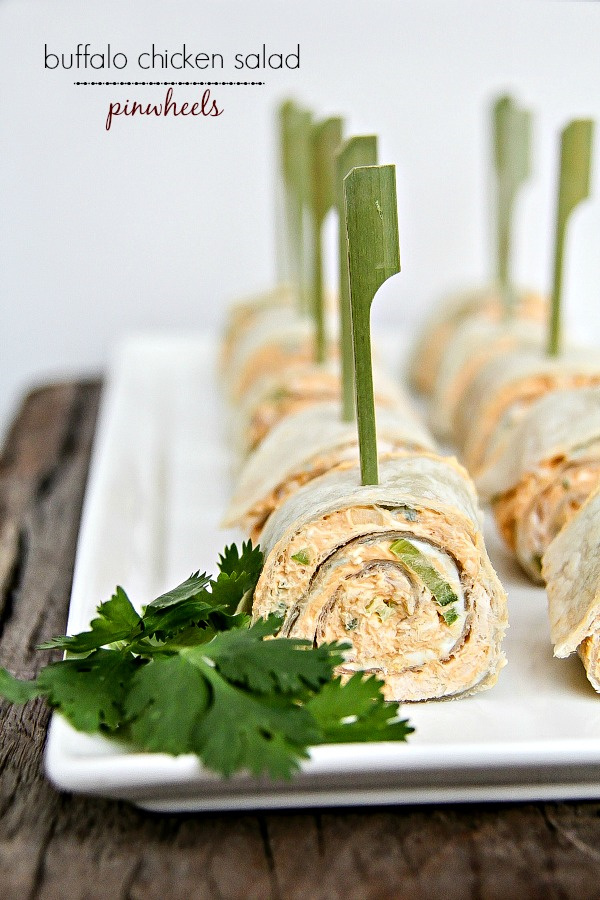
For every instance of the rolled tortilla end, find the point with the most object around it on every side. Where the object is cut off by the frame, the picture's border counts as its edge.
(483, 303)
(571, 569)
(279, 342)
(475, 343)
(531, 515)
(506, 388)
(399, 570)
(545, 473)
(305, 445)
(273, 398)
(244, 315)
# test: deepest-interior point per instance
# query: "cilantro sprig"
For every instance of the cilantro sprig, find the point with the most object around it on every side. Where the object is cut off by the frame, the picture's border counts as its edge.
(192, 674)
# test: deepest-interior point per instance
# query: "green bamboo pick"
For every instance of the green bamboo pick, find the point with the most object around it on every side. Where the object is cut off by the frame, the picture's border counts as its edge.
(501, 112)
(512, 155)
(573, 187)
(301, 180)
(287, 236)
(373, 257)
(326, 139)
(360, 150)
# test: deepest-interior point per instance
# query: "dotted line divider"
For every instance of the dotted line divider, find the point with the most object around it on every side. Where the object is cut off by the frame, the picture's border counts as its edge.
(173, 83)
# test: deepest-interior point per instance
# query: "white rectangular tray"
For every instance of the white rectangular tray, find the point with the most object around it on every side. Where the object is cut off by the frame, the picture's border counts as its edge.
(158, 484)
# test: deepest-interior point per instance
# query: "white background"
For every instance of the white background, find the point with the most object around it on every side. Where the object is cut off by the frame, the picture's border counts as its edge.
(159, 223)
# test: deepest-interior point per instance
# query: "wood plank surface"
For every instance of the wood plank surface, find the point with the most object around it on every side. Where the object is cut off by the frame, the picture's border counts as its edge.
(55, 846)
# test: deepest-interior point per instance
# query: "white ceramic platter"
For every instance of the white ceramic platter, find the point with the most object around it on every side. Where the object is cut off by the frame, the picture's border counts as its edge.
(158, 484)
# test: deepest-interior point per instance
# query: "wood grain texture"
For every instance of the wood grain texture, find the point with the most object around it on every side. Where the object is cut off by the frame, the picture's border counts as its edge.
(54, 846)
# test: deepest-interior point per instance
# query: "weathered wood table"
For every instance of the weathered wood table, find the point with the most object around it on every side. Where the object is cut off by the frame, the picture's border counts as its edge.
(62, 846)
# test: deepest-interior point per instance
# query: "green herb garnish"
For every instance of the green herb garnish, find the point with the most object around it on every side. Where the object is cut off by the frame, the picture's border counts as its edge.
(302, 557)
(417, 562)
(191, 674)
(450, 616)
(385, 611)
(353, 712)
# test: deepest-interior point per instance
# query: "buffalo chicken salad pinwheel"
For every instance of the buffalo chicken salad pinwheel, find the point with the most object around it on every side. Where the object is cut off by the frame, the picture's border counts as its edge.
(304, 445)
(503, 391)
(274, 397)
(547, 469)
(571, 569)
(484, 304)
(399, 569)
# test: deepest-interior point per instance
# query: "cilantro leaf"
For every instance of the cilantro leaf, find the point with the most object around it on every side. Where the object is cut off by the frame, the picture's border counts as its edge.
(115, 621)
(193, 675)
(166, 700)
(187, 590)
(16, 691)
(250, 561)
(168, 621)
(356, 711)
(181, 704)
(243, 657)
(191, 602)
(228, 591)
(193, 636)
(90, 692)
(241, 731)
(237, 578)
